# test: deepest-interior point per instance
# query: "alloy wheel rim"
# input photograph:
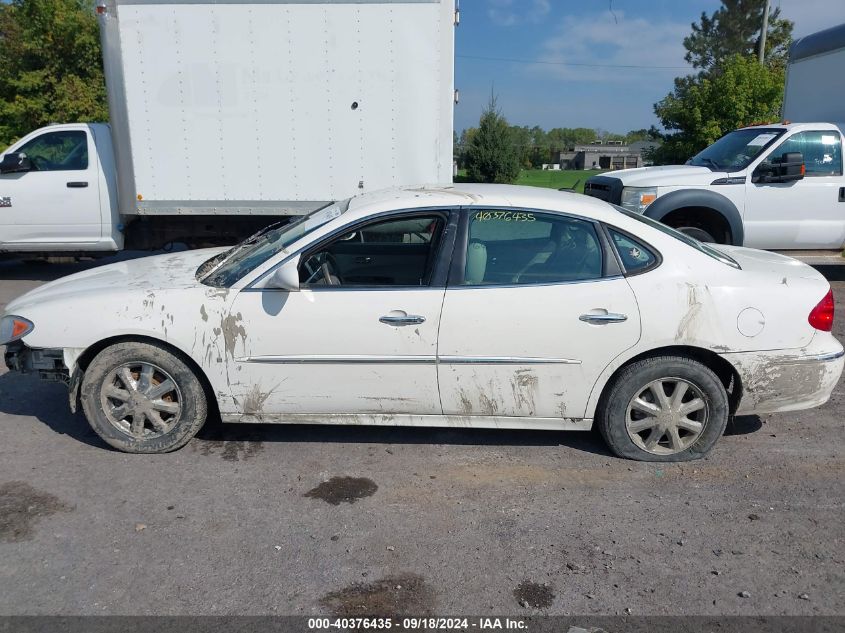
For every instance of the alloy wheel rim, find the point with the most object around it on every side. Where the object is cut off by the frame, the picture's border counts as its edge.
(667, 416)
(141, 400)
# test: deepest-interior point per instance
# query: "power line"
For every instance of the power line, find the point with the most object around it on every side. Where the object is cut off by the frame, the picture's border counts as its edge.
(547, 63)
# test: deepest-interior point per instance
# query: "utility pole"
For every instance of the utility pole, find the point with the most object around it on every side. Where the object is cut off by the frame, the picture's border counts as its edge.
(762, 51)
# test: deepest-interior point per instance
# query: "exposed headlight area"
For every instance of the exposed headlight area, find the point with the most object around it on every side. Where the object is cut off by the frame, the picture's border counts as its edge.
(637, 199)
(13, 328)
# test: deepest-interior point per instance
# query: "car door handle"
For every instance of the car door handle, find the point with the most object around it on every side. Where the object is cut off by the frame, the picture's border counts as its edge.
(600, 319)
(363, 260)
(407, 319)
(841, 194)
(77, 184)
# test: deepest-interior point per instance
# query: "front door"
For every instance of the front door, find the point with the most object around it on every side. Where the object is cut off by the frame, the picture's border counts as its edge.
(360, 337)
(533, 320)
(57, 203)
(804, 214)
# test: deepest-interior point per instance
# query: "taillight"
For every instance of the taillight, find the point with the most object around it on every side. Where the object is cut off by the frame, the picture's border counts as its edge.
(821, 317)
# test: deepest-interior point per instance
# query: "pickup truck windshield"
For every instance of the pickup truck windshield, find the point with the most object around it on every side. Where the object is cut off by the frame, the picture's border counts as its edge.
(701, 247)
(234, 264)
(735, 150)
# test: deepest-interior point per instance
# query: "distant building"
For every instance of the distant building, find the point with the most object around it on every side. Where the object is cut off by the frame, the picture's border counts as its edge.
(603, 155)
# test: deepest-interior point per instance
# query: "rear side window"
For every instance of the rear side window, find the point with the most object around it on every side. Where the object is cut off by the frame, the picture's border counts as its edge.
(523, 248)
(635, 256)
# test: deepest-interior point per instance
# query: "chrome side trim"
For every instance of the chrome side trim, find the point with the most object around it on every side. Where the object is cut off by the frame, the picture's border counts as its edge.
(350, 359)
(316, 359)
(505, 360)
(817, 358)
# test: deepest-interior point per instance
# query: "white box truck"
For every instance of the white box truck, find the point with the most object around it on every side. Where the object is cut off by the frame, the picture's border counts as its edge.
(227, 115)
(778, 187)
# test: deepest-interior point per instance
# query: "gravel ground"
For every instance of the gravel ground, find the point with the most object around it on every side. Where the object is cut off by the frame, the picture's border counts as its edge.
(307, 520)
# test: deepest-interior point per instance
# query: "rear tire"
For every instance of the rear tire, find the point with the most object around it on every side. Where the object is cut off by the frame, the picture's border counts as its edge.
(143, 398)
(682, 424)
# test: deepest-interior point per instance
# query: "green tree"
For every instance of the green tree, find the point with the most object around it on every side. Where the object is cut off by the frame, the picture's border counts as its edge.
(50, 65)
(734, 29)
(491, 155)
(705, 107)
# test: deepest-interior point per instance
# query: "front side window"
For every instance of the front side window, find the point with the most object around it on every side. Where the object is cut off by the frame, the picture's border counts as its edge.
(397, 252)
(58, 151)
(822, 152)
(519, 247)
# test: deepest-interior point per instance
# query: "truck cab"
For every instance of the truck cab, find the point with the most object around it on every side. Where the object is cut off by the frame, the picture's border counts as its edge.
(58, 191)
(770, 186)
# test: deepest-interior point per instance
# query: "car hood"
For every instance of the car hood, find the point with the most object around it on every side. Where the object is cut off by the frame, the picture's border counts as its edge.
(158, 272)
(669, 175)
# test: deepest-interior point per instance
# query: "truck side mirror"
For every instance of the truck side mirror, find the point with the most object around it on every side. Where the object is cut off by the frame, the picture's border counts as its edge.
(15, 162)
(788, 168)
(791, 167)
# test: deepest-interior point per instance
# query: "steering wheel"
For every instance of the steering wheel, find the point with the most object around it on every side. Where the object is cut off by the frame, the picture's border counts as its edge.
(322, 265)
(329, 269)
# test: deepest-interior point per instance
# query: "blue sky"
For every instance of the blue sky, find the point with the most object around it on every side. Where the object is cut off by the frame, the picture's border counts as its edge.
(635, 33)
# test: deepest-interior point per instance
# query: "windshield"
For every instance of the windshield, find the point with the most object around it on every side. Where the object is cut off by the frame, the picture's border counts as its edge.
(242, 259)
(682, 237)
(736, 150)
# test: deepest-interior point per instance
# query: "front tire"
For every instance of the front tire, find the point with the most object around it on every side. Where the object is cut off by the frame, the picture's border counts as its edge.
(702, 235)
(143, 398)
(663, 409)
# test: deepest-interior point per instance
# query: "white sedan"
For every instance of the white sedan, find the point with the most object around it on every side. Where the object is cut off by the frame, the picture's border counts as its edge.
(467, 306)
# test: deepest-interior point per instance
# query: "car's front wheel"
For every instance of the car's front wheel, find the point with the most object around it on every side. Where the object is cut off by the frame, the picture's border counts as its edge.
(663, 409)
(143, 398)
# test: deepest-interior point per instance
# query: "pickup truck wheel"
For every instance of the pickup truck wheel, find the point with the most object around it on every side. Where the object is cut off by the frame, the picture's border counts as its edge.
(664, 409)
(142, 398)
(700, 234)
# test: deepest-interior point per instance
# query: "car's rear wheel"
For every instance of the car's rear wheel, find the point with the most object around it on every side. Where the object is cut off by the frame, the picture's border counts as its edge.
(143, 398)
(664, 409)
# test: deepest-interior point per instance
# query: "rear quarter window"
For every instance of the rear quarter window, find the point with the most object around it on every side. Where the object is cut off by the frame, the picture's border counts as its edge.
(636, 256)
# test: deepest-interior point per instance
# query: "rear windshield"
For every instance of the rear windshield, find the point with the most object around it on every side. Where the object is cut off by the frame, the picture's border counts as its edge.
(701, 247)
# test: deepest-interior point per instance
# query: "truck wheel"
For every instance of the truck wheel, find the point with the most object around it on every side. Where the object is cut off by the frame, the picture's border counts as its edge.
(700, 234)
(142, 398)
(664, 409)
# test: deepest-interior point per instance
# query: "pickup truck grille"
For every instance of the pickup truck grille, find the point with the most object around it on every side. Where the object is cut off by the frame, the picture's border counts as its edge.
(604, 188)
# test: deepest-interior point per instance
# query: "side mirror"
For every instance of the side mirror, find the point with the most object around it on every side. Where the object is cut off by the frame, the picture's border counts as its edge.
(791, 167)
(15, 162)
(285, 277)
(788, 168)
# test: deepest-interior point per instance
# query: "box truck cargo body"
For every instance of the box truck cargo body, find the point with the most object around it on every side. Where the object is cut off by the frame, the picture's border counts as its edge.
(227, 115)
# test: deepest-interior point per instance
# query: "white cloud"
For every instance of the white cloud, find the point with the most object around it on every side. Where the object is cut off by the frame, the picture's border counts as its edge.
(509, 12)
(605, 39)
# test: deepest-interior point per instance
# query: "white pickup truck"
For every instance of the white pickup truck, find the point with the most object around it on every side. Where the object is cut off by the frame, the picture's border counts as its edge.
(777, 187)
(228, 116)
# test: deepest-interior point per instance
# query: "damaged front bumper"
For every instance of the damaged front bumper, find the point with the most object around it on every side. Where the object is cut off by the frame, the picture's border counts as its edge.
(776, 382)
(49, 364)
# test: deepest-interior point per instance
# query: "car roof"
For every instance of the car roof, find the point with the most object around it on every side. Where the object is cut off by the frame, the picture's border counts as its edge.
(481, 195)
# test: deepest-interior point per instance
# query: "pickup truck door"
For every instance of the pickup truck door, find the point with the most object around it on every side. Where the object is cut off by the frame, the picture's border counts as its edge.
(804, 214)
(56, 205)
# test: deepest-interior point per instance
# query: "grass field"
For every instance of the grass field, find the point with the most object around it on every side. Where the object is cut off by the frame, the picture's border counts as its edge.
(548, 179)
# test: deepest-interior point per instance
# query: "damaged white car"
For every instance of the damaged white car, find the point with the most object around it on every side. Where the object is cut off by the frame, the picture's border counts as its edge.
(466, 306)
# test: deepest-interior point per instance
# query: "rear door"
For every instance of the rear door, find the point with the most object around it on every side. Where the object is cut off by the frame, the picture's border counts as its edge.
(57, 203)
(534, 312)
